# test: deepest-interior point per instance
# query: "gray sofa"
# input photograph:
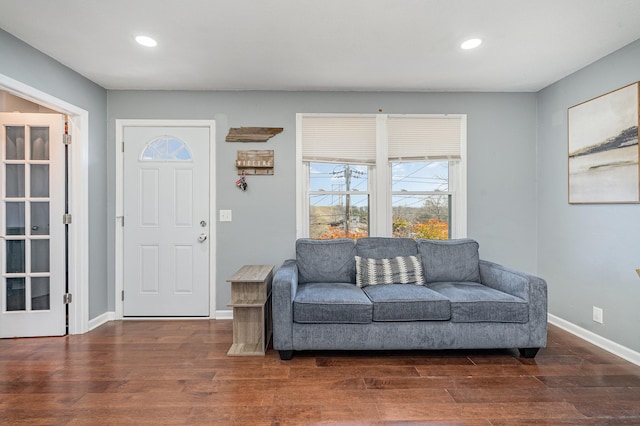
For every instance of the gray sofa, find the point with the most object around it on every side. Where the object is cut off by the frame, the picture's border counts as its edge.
(341, 295)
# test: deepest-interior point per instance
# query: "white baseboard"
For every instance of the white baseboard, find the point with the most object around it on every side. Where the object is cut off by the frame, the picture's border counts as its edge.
(111, 316)
(224, 314)
(606, 344)
(101, 319)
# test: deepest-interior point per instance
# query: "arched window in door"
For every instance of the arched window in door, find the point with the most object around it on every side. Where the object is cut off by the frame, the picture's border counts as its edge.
(166, 148)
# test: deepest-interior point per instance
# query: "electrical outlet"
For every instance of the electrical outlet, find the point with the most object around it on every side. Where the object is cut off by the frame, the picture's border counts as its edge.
(597, 314)
(225, 215)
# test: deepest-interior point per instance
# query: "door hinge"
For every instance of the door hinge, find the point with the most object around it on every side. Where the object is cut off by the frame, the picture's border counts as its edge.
(66, 139)
(66, 219)
(66, 299)
(122, 296)
(122, 146)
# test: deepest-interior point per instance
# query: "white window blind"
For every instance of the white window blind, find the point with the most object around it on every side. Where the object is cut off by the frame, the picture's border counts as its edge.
(424, 138)
(348, 139)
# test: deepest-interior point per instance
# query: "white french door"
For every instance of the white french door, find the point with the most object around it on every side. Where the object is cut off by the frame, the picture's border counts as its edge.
(166, 221)
(32, 242)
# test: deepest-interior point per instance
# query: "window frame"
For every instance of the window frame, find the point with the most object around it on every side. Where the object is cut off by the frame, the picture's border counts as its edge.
(380, 193)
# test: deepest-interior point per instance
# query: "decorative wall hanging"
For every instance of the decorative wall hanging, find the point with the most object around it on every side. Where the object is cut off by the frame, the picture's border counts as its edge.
(252, 134)
(255, 162)
(603, 148)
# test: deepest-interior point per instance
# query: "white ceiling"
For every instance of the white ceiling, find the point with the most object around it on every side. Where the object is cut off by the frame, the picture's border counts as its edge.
(377, 45)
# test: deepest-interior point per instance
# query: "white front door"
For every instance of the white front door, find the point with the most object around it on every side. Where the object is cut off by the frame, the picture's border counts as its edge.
(32, 242)
(166, 221)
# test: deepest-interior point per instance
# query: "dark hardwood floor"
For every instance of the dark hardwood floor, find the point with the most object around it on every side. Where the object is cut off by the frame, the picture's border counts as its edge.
(177, 372)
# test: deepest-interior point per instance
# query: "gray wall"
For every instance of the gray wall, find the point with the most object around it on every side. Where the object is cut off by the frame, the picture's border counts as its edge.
(27, 65)
(588, 253)
(501, 166)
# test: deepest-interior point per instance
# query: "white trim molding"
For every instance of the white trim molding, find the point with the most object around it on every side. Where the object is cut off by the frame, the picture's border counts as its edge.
(101, 319)
(79, 196)
(226, 314)
(591, 337)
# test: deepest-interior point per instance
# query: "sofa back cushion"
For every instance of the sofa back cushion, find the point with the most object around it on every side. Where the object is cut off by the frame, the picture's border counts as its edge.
(385, 248)
(450, 260)
(326, 260)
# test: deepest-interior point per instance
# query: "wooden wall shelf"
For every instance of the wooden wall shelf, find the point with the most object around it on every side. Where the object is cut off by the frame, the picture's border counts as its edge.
(252, 134)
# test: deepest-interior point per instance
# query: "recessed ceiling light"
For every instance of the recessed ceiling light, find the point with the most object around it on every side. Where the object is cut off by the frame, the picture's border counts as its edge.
(146, 41)
(471, 43)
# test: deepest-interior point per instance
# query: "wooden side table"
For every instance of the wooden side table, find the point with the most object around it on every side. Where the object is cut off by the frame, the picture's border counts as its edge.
(251, 302)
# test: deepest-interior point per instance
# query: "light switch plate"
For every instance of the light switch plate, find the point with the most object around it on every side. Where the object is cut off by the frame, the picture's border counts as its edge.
(225, 215)
(598, 314)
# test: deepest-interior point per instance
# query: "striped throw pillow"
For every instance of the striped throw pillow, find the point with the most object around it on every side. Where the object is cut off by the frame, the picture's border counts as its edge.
(396, 270)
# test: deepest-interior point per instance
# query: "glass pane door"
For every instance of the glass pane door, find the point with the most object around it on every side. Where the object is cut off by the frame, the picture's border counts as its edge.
(32, 234)
(26, 206)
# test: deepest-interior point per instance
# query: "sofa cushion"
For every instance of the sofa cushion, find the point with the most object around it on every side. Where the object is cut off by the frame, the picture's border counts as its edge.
(473, 302)
(396, 270)
(328, 303)
(450, 260)
(393, 302)
(326, 260)
(384, 247)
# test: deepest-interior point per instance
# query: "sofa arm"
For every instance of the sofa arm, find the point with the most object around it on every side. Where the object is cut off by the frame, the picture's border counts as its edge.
(528, 287)
(506, 280)
(284, 287)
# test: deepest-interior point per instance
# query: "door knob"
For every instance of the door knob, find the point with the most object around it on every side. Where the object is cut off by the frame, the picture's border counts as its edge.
(202, 238)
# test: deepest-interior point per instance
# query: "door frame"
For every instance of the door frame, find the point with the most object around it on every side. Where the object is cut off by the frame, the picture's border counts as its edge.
(78, 197)
(119, 229)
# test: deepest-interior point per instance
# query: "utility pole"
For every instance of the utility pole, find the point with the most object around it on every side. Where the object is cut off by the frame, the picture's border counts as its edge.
(347, 213)
(347, 172)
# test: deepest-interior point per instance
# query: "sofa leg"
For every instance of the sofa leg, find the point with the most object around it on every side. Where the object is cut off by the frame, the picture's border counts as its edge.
(528, 352)
(286, 355)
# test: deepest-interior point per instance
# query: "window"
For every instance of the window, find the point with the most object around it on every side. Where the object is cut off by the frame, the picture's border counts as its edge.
(381, 175)
(338, 200)
(166, 148)
(420, 199)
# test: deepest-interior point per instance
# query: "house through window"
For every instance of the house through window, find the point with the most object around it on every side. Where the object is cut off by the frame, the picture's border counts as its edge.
(381, 175)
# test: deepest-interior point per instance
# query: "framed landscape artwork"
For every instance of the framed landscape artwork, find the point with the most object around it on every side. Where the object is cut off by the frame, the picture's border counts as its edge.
(603, 148)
